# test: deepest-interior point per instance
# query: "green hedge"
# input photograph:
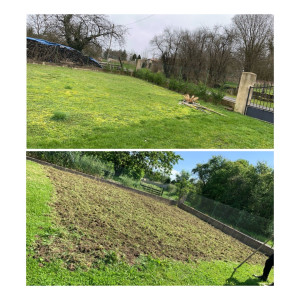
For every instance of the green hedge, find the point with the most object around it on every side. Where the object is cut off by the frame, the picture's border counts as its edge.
(180, 86)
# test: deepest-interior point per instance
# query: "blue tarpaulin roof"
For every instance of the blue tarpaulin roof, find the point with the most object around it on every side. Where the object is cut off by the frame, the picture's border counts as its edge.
(50, 43)
(44, 42)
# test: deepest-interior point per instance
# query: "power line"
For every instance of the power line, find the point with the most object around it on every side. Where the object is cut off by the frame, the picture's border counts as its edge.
(139, 20)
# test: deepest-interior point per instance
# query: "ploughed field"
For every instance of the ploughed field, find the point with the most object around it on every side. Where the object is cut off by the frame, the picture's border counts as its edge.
(93, 219)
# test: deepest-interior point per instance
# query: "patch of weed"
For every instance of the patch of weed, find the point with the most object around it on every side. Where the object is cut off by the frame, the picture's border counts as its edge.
(59, 116)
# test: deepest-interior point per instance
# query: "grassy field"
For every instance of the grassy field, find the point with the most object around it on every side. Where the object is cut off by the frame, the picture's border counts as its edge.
(82, 232)
(69, 108)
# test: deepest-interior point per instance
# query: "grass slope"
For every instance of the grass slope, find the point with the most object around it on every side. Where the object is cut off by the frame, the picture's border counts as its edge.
(81, 232)
(101, 110)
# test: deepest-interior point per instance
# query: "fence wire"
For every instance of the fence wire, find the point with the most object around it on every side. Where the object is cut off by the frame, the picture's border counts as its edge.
(241, 220)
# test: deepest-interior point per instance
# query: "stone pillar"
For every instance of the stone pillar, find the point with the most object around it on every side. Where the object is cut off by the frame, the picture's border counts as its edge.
(138, 64)
(248, 79)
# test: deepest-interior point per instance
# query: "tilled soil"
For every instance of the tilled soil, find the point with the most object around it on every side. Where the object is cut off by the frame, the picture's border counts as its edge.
(96, 217)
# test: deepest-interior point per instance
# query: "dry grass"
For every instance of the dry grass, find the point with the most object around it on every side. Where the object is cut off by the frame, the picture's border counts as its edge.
(189, 99)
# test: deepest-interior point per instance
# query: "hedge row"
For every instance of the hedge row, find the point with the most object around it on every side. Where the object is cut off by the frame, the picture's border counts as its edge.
(200, 90)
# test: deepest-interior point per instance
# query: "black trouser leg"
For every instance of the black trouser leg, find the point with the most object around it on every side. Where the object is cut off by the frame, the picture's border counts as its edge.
(268, 266)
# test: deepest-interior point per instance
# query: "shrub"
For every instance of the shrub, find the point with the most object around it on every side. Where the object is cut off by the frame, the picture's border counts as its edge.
(173, 84)
(202, 92)
(217, 95)
(159, 79)
(177, 85)
(171, 188)
(59, 116)
(62, 158)
(92, 165)
(75, 160)
(191, 88)
(127, 181)
(142, 74)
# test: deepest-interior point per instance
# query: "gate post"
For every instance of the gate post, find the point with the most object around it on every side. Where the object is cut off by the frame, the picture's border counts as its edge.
(138, 64)
(247, 79)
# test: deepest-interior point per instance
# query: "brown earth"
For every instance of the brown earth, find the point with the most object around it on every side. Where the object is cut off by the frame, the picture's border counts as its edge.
(96, 217)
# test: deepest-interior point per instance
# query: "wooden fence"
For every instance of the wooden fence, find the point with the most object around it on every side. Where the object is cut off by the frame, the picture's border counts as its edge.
(158, 191)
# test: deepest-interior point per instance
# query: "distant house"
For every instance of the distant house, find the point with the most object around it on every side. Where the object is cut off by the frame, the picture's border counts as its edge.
(155, 65)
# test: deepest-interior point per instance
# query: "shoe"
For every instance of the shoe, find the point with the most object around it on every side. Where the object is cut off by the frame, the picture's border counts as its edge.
(272, 284)
(260, 277)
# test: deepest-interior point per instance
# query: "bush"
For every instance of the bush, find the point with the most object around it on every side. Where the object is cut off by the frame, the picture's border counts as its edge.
(127, 181)
(191, 88)
(171, 188)
(146, 74)
(217, 95)
(142, 74)
(75, 160)
(202, 92)
(92, 165)
(159, 79)
(177, 85)
(173, 84)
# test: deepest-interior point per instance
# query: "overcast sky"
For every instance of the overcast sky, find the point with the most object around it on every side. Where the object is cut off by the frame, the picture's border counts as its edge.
(142, 27)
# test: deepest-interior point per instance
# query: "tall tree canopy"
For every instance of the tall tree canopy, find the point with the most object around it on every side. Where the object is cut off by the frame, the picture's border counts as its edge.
(238, 184)
(137, 163)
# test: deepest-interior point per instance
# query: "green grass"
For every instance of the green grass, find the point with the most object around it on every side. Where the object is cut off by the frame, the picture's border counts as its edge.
(151, 272)
(43, 229)
(114, 111)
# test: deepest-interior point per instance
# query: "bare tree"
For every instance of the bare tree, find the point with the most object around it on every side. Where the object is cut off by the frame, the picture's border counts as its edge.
(81, 30)
(167, 45)
(209, 55)
(192, 56)
(77, 31)
(219, 49)
(252, 35)
(38, 24)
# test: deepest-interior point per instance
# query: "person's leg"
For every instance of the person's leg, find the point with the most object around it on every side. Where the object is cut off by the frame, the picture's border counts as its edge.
(268, 266)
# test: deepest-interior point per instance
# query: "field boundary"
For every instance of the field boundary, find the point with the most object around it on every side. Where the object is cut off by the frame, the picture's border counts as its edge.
(243, 238)
(167, 201)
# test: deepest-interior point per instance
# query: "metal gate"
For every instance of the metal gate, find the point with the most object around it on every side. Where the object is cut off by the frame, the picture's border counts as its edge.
(260, 103)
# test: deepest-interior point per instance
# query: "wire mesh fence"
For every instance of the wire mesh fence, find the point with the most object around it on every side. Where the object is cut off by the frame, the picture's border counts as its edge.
(253, 225)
